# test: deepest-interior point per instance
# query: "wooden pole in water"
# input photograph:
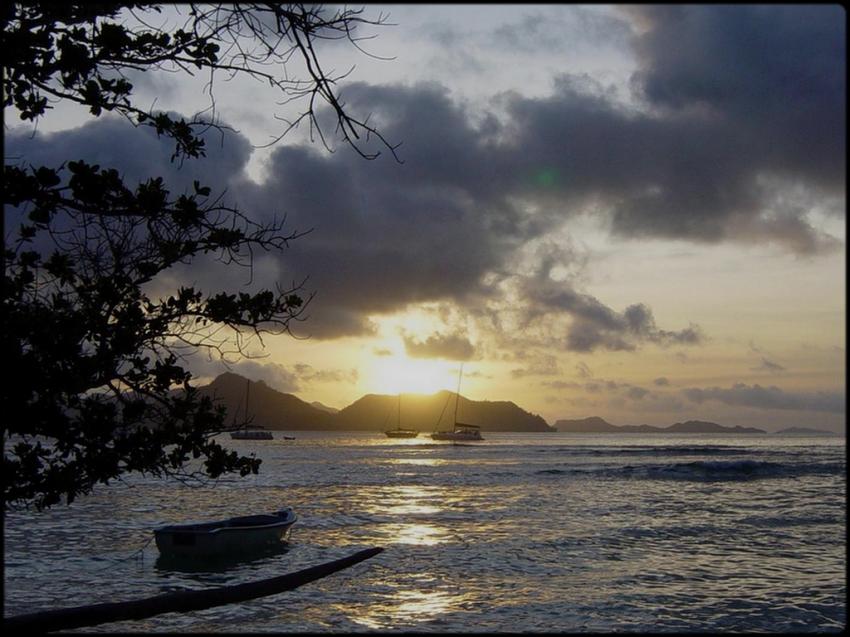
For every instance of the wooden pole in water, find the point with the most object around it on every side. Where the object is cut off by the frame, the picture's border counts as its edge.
(179, 602)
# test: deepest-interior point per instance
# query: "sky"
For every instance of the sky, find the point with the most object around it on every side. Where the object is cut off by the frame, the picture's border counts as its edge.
(633, 212)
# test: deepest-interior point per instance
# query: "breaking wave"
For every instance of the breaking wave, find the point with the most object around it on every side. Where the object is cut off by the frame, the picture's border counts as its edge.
(739, 470)
(697, 450)
(708, 470)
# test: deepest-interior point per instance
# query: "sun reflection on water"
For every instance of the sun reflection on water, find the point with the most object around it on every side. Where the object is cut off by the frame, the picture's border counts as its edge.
(423, 442)
(410, 516)
(421, 462)
(414, 508)
(397, 499)
(407, 607)
(422, 598)
(418, 534)
(410, 503)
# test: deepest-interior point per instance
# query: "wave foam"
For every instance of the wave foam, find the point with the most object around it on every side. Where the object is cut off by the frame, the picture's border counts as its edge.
(708, 470)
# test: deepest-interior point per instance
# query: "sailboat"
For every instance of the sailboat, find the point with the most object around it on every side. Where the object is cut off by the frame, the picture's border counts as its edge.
(461, 431)
(258, 433)
(398, 432)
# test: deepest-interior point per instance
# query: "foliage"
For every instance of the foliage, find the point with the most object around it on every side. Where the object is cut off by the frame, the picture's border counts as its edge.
(94, 386)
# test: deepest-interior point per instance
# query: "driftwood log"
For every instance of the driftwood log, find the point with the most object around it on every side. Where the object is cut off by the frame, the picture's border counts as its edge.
(179, 602)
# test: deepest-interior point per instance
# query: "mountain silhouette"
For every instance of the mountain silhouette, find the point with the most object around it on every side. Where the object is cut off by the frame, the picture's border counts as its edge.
(267, 407)
(428, 412)
(598, 425)
(806, 431)
(276, 410)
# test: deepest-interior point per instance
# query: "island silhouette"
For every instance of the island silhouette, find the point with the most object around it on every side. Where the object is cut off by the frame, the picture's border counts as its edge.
(276, 410)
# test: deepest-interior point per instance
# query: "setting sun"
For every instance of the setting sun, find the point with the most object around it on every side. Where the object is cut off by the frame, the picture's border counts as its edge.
(399, 374)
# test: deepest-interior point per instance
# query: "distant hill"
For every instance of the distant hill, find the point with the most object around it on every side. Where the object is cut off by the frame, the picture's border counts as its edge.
(422, 412)
(280, 411)
(598, 425)
(594, 424)
(806, 431)
(702, 427)
(268, 407)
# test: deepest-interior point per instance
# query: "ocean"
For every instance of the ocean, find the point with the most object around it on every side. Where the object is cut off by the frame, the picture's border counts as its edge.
(522, 532)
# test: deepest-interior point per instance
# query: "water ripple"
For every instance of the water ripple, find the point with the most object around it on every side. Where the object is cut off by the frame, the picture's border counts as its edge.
(527, 534)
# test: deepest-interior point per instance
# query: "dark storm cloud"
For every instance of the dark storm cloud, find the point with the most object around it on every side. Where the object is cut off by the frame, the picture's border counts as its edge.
(742, 102)
(772, 397)
(678, 175)
(706, 162)
(386, 234)
(769, 81)
(449, 346)
(597, 326)
(382, 235)
(137, 153)
(774, 75)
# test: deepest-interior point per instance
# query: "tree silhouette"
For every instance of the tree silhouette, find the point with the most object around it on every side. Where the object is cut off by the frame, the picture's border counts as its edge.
(94, 385)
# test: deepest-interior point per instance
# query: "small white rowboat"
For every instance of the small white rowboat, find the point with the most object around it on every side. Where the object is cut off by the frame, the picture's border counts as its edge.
(225, 538)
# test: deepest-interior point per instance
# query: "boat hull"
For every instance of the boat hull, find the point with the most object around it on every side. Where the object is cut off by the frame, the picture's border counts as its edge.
(224, 538)
(460, 432)
(453, 435)
(401, 433)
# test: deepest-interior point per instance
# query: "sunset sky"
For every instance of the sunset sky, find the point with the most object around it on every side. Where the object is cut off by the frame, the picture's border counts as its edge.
(630, 212)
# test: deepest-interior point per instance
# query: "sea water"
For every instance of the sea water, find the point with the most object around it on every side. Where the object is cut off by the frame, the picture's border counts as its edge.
(522, 532)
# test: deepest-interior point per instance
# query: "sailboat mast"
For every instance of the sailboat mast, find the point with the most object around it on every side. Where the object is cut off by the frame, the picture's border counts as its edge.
(457, 396)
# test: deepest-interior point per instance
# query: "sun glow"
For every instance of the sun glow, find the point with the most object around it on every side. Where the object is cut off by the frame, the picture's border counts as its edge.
(400, 374)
